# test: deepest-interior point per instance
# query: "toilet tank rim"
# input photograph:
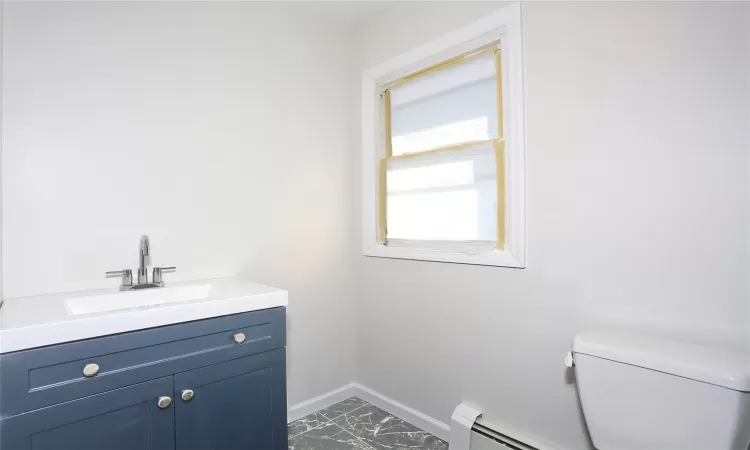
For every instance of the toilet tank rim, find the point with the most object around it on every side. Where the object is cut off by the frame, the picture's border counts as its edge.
(721, 367)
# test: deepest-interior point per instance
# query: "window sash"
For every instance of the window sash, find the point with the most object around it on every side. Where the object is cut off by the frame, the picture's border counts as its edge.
(465, 247)
(497, 144)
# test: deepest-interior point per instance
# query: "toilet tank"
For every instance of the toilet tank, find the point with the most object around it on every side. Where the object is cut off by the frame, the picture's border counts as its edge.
(646, 393)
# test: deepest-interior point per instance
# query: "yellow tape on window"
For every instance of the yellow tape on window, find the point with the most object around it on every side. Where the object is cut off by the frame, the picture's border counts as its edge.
(382, 197)
(499, 80)
(500, 168)
(443, 65)
(388, 137)
(447, 148)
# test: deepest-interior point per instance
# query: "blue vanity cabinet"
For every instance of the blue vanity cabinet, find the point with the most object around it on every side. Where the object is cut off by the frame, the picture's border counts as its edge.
(124, 419)
(236, 405)
(40, 377)
(234, 367)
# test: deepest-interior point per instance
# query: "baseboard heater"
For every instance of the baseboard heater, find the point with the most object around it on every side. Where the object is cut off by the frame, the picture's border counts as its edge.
(485, 438)
(468, 434)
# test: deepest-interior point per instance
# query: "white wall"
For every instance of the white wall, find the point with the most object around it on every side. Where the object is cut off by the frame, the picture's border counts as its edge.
(213, 127)
(1, 148)
(637, 212)
(747, 112)
(221, 130)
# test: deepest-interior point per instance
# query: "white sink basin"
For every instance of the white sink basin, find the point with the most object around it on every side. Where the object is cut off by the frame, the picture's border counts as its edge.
(136, 299)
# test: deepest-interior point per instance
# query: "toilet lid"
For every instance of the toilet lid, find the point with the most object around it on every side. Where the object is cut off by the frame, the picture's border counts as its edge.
(721, 367)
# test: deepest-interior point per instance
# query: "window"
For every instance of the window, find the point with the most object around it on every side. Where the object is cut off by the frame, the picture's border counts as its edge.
(443, 153)
(442, 148)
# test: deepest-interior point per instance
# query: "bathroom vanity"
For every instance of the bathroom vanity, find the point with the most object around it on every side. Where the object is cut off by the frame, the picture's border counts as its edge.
(198, 374)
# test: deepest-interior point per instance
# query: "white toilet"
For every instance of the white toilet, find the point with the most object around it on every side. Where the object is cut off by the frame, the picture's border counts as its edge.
(645, 393)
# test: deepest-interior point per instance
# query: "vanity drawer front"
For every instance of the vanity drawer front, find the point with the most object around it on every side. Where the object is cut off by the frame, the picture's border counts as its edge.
(36, 378)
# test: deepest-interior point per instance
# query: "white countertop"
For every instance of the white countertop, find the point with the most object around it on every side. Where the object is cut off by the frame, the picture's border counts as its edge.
(28, 322)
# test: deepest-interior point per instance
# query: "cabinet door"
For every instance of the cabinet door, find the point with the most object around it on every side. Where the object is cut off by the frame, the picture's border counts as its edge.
(235, 405)
(123, 419)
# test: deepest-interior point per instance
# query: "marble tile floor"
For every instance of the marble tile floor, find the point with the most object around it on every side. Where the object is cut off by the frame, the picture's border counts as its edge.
(355, 424)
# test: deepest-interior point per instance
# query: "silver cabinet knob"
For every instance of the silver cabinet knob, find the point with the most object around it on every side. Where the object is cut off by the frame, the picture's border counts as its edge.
(164, 402)
(187, 395)
(90, 370)
(239, 338)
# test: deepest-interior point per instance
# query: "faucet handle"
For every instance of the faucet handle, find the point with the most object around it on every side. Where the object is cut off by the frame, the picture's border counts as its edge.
(160, 270)
(127, 276)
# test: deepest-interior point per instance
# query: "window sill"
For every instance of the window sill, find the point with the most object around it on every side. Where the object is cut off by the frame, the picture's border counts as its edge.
(492, 258)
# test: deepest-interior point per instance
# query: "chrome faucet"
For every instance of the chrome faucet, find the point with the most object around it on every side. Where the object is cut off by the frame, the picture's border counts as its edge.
(145, 251)
(127, 274)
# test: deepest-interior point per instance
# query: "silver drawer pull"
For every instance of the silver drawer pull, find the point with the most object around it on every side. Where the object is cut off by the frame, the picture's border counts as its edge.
(90, 370)
(187, 395)
(164, 402)
(239, 338)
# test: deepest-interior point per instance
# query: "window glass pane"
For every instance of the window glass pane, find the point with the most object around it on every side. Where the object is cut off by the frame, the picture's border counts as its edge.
(450, 196)
(450, 106)
(446, 215)
(435, 175)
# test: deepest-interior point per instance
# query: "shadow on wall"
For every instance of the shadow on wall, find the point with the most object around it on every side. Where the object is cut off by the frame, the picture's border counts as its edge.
(570, 379)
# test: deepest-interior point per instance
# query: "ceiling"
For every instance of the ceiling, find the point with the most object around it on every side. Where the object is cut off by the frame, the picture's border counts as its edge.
(347, 13)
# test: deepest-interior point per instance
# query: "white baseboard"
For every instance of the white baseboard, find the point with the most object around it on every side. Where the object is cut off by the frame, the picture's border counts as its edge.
(411, 415)
(389, 405)
(301, 409)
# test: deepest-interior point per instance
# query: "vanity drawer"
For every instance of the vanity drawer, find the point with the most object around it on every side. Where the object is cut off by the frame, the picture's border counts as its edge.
(36, 378)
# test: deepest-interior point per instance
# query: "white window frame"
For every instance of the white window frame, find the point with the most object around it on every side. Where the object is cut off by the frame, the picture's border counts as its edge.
(505, 26)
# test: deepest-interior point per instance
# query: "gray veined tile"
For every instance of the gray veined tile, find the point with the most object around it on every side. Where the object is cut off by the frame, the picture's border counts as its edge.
(340, 408)
(328, 437)
(307, 423)
(385, 431)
